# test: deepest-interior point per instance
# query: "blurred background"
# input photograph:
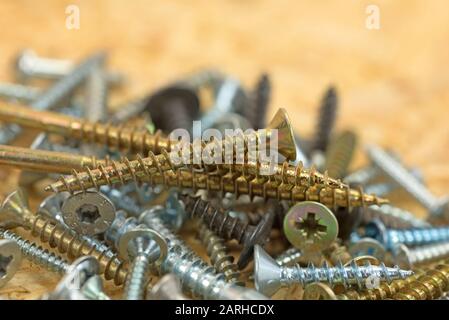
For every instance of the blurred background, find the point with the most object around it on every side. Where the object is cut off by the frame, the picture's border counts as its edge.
(392, 79)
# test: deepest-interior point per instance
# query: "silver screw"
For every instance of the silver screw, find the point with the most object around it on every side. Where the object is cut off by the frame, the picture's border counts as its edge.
(270, 277)
(393, 169)
(144, 247)
(402, 216)
(21, 93)
(10, 259)
(391, 238)
(195, 275)
(167, 288)
(409, 258)
(29, 65)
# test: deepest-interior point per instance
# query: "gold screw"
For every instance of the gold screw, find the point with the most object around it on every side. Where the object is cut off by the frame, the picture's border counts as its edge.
(340, 153)
(132, 140)
(265, 187)
(337, 253)
(46, 161)
(431, 285)
(219, 257)
(15, 212)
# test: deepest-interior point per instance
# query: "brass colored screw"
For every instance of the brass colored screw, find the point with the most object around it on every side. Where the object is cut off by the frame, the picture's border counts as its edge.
(428, 286)
(337, 253)
(15, 212)
(130, 139)
(339, 154)
(239, 185)
(46, 161)
(218, 254)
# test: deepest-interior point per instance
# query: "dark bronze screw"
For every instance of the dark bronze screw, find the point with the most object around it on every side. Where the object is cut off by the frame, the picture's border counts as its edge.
(228, 227)
(326, 120)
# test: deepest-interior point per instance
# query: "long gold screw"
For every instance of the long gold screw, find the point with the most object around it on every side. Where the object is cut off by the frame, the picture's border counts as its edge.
(431, 285)
(15, 212)
(138, 141)
(46, 161)
(265, 187)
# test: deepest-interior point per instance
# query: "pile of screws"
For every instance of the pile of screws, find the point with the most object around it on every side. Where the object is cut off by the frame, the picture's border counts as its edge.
(125, 212)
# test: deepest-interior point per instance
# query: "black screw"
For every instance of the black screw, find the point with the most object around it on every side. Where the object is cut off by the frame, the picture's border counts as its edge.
(229, 228)
(256, 112)
(173, 107)
(326, 120)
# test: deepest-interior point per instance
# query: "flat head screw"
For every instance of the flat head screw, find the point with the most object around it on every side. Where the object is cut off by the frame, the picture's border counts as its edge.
(143, 247)
(10, 259)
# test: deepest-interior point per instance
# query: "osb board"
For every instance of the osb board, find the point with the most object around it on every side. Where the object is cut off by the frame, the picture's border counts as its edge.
(393, 82)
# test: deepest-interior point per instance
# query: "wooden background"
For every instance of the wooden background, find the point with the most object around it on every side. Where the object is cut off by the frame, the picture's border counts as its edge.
(393, 82)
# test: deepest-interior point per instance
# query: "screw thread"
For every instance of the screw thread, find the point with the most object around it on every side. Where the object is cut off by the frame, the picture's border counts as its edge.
(216, 219)
(257, 112)
(218, 254)
(195, 275)
(137, 278)
(429, 253)
(262, 187)
(349, 275)
(290, 257)
(326, 119)
(67, 241)
(430, 285)
(68, 83)
(393, 217)
(416, 237)
(384, 291)
(37, 254)
(339, 154)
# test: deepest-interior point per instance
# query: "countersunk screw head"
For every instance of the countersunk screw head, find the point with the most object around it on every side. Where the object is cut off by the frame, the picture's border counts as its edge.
(285, 139)
(159, 103)
(310, 226)
(14, 209)
(368, 246)
(142, 239)
(88, 213)
(403, 257)
(10, 258)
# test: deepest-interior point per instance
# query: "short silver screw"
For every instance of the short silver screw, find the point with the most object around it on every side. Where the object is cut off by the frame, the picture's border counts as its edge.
(19, 92)
(393, 169)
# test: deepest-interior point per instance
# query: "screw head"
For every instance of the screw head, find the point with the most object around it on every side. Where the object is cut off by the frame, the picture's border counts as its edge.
(88, 213)
(376, 229)
(318, 291)
(161, 99)
(368, 246)
(10, 258)
(14, 209)
(310, 226)
(141, 238)
(285, 137)
(266, 272)
(403, 257)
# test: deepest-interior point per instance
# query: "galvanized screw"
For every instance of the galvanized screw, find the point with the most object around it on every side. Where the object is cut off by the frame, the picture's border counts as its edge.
(270, 277)
(10, 259)
(391, 238)
(392, 168)
(144, 247)
(410, 257)
(167, 288)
